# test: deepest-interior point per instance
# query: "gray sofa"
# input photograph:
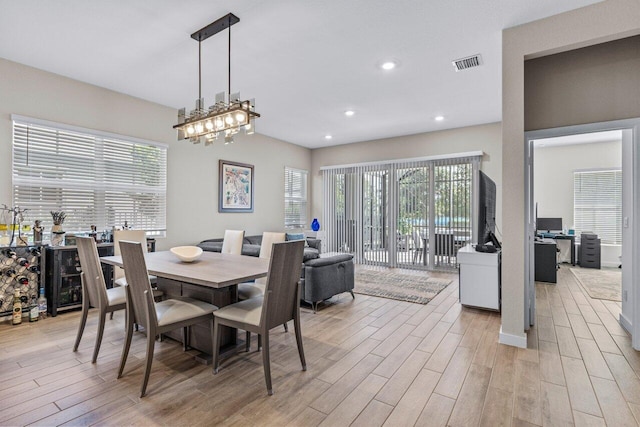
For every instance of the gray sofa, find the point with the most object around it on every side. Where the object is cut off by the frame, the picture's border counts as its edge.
(321, 277)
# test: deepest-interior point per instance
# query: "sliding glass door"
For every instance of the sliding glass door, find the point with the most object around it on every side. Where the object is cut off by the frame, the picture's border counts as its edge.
(411, 214)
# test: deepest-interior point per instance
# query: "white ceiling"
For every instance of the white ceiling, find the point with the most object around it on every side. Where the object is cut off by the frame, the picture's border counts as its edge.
(305, 62)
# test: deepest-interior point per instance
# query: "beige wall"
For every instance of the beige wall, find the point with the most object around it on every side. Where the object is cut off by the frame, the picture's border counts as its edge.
(553, 174)
(192, 211)
(601, 22)
(484, 138)
(560, 89)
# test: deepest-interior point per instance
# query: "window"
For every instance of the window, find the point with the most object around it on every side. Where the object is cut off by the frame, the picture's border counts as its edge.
(295, 198)
(597, 204)
(96, 178)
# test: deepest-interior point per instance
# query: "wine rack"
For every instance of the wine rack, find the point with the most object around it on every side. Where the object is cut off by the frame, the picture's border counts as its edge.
(63, 287)
(20, 268)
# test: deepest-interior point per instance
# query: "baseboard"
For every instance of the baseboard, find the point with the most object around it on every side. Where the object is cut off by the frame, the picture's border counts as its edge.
(626, 323)
(513, 340)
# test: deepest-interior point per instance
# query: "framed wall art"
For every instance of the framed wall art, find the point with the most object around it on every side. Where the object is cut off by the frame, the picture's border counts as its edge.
(235, 187)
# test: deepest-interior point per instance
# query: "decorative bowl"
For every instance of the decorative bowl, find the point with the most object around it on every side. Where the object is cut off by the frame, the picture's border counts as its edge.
(187, 253)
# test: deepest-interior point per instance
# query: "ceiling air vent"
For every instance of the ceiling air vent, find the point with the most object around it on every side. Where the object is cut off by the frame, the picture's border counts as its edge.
(468, 62)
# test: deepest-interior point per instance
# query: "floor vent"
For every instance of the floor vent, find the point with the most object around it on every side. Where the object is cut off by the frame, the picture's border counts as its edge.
(468, 62)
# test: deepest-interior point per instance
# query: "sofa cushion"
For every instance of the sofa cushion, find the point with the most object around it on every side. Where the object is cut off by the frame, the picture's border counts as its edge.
(211, 246)
(310, 254)
(251, 250)
(253, 240)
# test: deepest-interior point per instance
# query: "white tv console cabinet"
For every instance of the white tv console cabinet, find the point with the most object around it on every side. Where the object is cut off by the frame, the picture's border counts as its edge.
(480, 278)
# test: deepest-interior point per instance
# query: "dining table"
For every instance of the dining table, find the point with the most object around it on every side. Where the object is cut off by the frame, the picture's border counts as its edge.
(213, 278)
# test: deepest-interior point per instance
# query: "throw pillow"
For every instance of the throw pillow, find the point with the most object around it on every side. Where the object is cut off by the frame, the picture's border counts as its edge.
(296, 236)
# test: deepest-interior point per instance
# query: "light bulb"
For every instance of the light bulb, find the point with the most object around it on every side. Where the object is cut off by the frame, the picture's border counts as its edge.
(208, 125)
(229, 119)
(388, 65)
(241, 117)
(219, 123)
(190, 130)
(199, 127)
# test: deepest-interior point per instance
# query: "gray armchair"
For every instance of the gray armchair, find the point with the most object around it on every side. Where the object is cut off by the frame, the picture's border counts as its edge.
(323, 278)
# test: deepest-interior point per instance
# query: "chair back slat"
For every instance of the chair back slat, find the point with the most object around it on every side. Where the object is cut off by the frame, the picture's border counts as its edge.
(92, 271)
(268, 239)
(232, 242)
(281, 293)
(130, 236)
(135, 270)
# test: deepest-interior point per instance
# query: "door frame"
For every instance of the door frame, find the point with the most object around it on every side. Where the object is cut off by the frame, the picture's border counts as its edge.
(630, 249)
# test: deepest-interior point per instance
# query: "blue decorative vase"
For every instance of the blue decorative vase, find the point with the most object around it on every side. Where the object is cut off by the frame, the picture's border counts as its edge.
(315, 225)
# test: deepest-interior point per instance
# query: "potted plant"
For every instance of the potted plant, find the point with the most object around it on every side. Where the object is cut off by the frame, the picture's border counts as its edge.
(57, 234)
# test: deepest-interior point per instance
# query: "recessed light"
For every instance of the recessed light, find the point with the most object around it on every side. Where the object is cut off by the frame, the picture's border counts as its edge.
(389, 65)
(328, 137)
(439, 118)
(349, 113)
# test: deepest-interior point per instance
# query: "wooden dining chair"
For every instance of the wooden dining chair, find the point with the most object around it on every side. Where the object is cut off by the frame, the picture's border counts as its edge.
(256, 289)
(232, 242)
(157, 318)
(280, 303)
(139, 236)
(95, 292)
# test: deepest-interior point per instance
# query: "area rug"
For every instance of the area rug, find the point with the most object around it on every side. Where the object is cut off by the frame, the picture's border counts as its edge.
(600, 284)
(404, 287)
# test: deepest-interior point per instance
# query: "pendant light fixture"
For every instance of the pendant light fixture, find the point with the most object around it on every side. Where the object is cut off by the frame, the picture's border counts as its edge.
(225, 118)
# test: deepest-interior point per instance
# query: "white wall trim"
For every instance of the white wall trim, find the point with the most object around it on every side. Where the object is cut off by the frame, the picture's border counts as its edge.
(625, 323)
(513, 340)
(413, 159)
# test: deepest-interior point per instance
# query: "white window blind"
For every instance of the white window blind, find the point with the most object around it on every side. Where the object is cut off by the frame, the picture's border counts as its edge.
(295, 198)
(95, 178)
(597, 204)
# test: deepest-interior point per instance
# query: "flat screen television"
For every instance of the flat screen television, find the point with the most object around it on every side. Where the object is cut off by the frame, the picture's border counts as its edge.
(549, 224)
(487, 211)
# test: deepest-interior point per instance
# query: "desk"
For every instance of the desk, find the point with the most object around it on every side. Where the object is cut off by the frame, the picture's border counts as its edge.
(546, 261)
(570, 237)
(212, 278)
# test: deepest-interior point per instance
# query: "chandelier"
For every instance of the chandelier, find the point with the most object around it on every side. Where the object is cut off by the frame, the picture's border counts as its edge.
(223, 119)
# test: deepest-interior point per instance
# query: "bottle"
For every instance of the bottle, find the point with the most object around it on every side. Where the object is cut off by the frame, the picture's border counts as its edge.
(42, 304)
(17, 308)
(9, 253)
(35, 252)
(9, 272)
(34, 269)
(23, 262)
(23, 280)
(34, 313)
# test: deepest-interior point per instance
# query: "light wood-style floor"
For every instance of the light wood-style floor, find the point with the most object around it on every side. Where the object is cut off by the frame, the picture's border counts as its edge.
(371, 362)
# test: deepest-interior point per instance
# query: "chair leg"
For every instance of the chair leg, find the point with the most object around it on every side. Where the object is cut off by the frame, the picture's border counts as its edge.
(151, 341)
(216, 345)
(266, 363)
(127, 340)
(259, 342)
(111, 316)
(185, 338)
(296, 326)
(248, 341)
(286, 327)
(314, 306)
(352, 295)
(96, 349)
(83, 322)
